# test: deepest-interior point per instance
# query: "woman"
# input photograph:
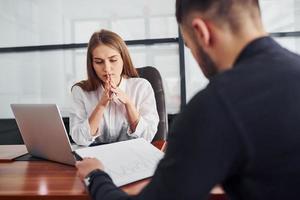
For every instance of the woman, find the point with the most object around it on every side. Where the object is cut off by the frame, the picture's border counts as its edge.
(113, 104)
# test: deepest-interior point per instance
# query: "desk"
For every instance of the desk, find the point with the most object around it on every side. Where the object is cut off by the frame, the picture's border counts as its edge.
(24, 180)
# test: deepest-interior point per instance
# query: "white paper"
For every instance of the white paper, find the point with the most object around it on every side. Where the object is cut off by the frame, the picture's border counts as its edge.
(126, 161)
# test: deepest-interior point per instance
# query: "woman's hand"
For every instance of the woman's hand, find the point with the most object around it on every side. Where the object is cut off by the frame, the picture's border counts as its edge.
(107, 93)
(106, 96)
(132, 113)
(97, 114)
(120, 95)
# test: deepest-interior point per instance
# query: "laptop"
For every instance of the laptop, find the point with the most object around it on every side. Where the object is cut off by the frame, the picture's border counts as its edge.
(43, 132)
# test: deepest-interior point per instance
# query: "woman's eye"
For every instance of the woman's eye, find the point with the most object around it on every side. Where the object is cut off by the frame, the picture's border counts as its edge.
(98, 62)
(113, 60)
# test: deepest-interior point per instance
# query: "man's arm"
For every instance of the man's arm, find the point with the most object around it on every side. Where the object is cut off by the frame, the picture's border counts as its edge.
(204, 149)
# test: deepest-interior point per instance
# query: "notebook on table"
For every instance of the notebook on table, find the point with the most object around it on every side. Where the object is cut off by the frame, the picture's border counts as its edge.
(126, 161)
(10, 152)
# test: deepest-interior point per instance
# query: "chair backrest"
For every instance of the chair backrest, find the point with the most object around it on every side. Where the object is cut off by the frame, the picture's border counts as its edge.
(153, 76)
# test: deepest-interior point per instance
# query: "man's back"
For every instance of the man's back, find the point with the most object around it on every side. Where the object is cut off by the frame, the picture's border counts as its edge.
(261, 95)
(242, 131)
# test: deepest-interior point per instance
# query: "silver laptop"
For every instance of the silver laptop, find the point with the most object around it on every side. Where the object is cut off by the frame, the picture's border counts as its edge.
(43, 132)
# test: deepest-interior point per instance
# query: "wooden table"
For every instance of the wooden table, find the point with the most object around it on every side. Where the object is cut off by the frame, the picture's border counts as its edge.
(24, 180)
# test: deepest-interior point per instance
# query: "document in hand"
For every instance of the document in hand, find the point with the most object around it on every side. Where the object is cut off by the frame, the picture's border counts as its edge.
(126, 161)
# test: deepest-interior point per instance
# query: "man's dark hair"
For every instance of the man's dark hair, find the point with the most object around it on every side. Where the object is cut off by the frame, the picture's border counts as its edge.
(218, 10)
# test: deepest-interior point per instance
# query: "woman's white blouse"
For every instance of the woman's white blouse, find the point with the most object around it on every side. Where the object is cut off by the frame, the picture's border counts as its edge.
(114, 125)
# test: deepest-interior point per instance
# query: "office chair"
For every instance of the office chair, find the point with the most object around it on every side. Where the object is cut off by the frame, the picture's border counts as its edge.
(153, 76)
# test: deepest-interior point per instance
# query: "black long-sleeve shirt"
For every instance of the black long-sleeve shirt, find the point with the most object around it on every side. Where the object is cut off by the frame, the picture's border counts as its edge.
(242, 131)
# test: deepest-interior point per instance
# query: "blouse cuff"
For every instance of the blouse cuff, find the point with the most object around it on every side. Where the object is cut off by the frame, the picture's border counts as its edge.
(140, 128)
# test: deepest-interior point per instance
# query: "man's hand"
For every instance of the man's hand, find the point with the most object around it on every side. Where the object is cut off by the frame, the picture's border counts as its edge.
(87, 165)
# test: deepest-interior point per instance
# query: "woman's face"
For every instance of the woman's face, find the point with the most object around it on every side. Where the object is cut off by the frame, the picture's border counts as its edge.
(107, 62)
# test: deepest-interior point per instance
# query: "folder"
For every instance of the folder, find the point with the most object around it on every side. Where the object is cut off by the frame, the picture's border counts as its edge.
(126, 161)
(10, 152)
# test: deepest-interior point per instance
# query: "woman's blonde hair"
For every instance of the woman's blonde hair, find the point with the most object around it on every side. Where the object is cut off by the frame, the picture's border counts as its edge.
(113, 40)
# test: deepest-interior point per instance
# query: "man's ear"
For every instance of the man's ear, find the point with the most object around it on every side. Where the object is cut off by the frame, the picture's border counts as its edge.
(201, 31)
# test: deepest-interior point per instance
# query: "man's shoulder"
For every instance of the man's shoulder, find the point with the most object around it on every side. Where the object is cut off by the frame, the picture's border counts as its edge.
(204, 97)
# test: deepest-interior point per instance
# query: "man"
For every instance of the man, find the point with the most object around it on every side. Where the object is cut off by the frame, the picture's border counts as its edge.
(243, 130)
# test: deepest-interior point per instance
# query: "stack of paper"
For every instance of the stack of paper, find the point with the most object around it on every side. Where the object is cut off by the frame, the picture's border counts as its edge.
(10, 152)
(126, 161)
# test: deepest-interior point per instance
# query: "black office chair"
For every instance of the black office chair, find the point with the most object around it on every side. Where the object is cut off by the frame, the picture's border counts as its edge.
(153, 76)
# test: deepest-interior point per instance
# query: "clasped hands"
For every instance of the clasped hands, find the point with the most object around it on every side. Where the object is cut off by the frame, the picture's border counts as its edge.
(112, 93)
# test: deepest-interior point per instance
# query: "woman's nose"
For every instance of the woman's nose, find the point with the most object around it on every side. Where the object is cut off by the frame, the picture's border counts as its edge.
(107, 67)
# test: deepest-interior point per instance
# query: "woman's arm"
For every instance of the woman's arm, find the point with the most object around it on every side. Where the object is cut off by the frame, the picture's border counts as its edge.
(148, 115)
(142, 117)
(95, 118)
(79, 125)
(133, 115)
(97, 114)
(132, 112)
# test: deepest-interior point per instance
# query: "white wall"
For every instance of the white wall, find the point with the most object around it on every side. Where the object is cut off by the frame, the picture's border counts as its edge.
(46, 76)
